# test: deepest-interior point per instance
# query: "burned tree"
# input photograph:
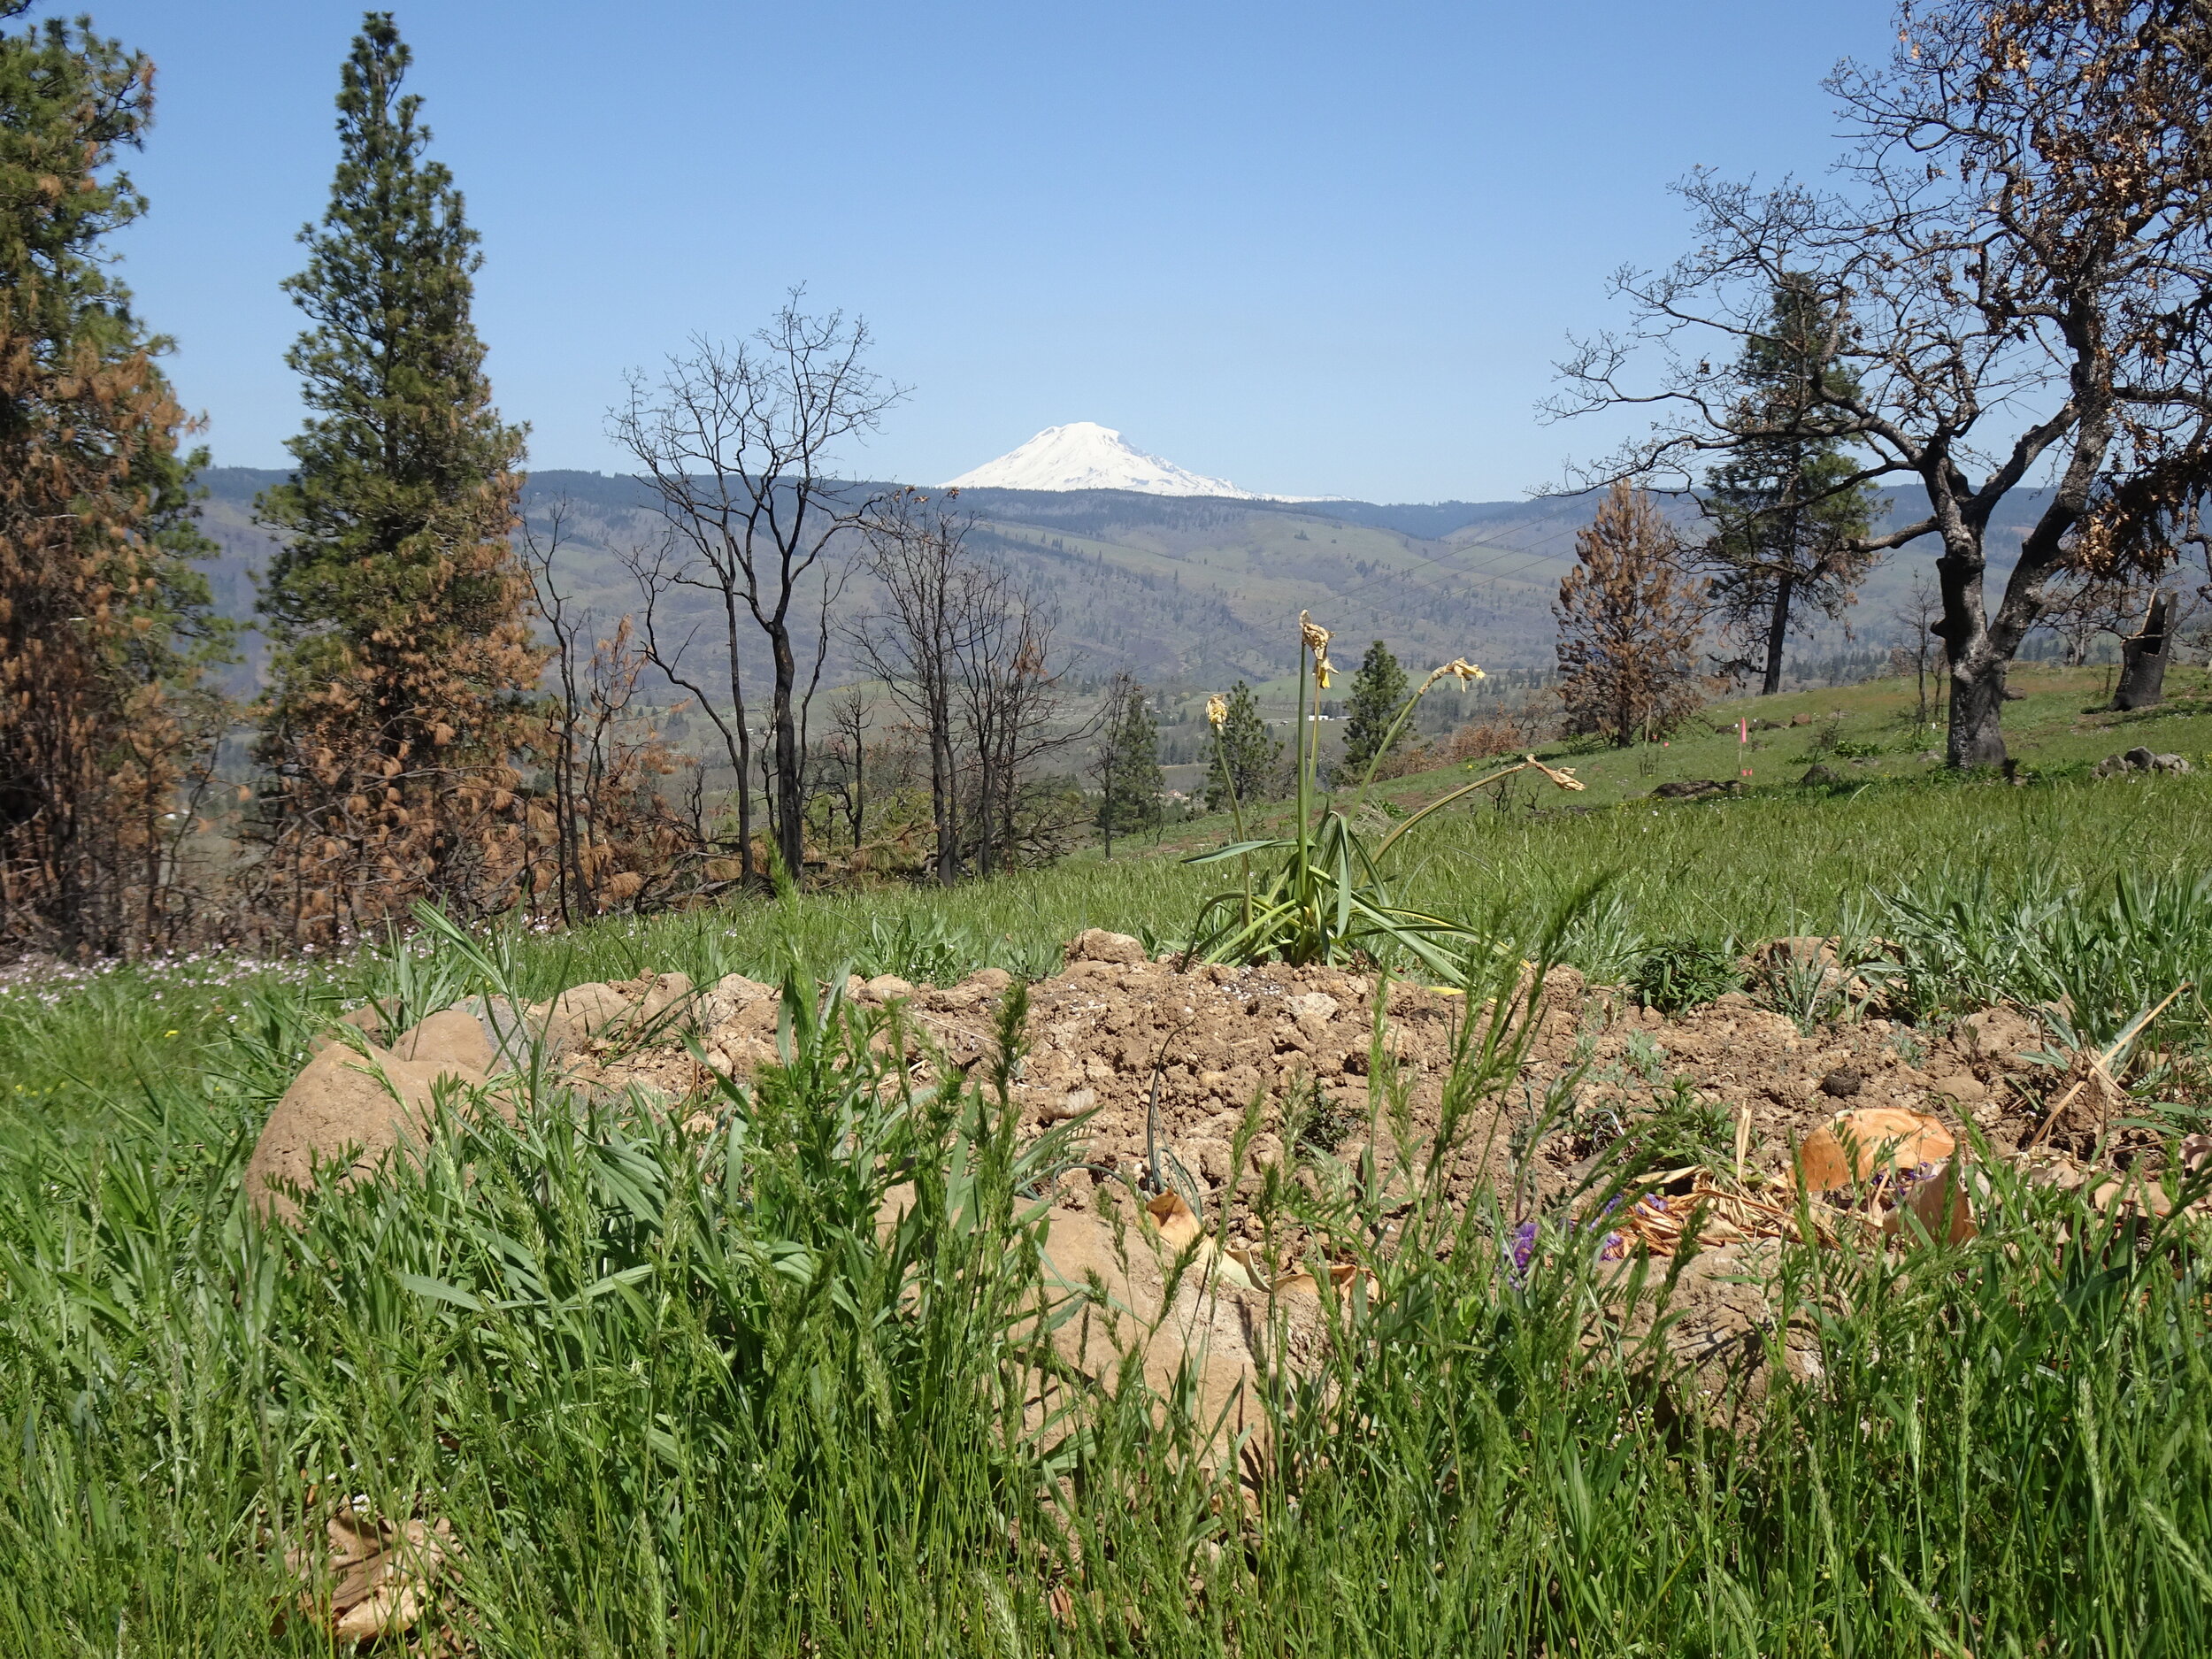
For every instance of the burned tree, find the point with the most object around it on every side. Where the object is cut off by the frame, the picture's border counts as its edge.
(1627, 625)
(916, 551)
(1010, 693)
(2144, 654)
(968, 654)
(2017, 281)
(736, 444)
(601, 833)
(107, 728)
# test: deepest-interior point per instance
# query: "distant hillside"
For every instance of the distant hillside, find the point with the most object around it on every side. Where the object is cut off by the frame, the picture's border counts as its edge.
(1181, 591)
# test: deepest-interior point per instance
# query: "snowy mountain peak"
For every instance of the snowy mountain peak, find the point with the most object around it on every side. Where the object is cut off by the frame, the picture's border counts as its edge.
(1084, 454)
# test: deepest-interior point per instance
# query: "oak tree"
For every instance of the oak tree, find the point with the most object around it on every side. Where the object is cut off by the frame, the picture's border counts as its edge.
(2014, 272)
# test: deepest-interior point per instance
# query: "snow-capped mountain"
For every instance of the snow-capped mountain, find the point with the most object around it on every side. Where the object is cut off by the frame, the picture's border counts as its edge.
(1084, 454)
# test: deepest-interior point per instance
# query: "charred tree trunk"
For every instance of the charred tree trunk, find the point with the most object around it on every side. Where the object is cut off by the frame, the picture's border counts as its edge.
(2143, 658)
(1777, 632)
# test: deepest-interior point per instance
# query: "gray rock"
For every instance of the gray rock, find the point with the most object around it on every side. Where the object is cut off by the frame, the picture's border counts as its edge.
(2140, 758)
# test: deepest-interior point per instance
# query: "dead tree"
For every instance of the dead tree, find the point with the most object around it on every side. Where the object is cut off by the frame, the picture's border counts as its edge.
(2144, 654)
(1628, 626)
(916, 551)
(736, 444)
(2016, 277)
(612, 838)
(1011, 703)
(1918, 616)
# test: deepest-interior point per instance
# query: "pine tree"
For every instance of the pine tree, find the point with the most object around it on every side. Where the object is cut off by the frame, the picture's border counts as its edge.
(1379, 690)
(397, 603)
(1254, 759)
(1627, 625)
(1784, 509)
(107, 725)
(1128, 764)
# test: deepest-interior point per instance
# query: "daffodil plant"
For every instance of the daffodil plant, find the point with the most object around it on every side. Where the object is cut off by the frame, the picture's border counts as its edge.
(1327, 901)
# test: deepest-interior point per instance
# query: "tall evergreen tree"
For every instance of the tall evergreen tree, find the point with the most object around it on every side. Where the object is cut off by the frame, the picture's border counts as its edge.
(397, 604)
(105, 622)
(1627, 625)
(1785, 514)
(1255, 760)
(1379, 690)
(1128, 764)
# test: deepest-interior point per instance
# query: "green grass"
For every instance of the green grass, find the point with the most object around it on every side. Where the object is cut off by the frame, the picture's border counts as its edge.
(675, 1397)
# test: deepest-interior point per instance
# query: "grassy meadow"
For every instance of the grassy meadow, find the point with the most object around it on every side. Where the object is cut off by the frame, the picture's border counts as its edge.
(673, 1395)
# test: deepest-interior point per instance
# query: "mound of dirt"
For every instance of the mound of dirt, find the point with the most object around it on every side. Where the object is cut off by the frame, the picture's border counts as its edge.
(1161, 1068)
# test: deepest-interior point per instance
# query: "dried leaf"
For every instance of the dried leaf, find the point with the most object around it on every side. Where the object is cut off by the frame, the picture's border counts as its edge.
(1855, 1144)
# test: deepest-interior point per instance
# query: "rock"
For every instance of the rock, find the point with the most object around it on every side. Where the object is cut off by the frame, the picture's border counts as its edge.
(1962, 1086)
(1312, 1013)
(355, 1106)
(664, 993)
(1694, 789)
(721, 1000)
(1816, 775)
(1096, 944)
(885, 987)
(989, 982)
(452, 1038)
(1842, 1083)
(1103, 1296)
(2141, 759)
(587, 1010)
(370, 1019)
(1074, 1103)
(1998, 1033)
(1800, 719)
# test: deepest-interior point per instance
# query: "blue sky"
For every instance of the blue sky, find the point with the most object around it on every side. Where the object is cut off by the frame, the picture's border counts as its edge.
(1311, 249)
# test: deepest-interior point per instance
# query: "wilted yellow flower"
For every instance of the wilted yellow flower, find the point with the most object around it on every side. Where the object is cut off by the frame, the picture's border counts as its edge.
(1217, 711)
(1316, 639)
(1467, 672)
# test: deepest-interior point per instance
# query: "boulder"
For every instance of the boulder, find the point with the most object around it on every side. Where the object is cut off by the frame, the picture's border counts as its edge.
(1096, 944)
(585, 1010)
(2141, 759)
(1105, 1292)
(356, 1106)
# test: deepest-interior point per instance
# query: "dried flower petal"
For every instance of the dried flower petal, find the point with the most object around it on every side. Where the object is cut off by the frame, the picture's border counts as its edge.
(1217, 711)
(1315, 637)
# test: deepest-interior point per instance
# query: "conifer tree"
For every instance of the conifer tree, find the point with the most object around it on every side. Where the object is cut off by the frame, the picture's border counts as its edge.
(1379, 690)
(1254, 759)
(1627, 625)
(1128, 764)
(397, 604)
(105, 622)
(1787, 518)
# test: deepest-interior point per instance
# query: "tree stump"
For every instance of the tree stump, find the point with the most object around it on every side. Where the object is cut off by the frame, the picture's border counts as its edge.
(2143, 657)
